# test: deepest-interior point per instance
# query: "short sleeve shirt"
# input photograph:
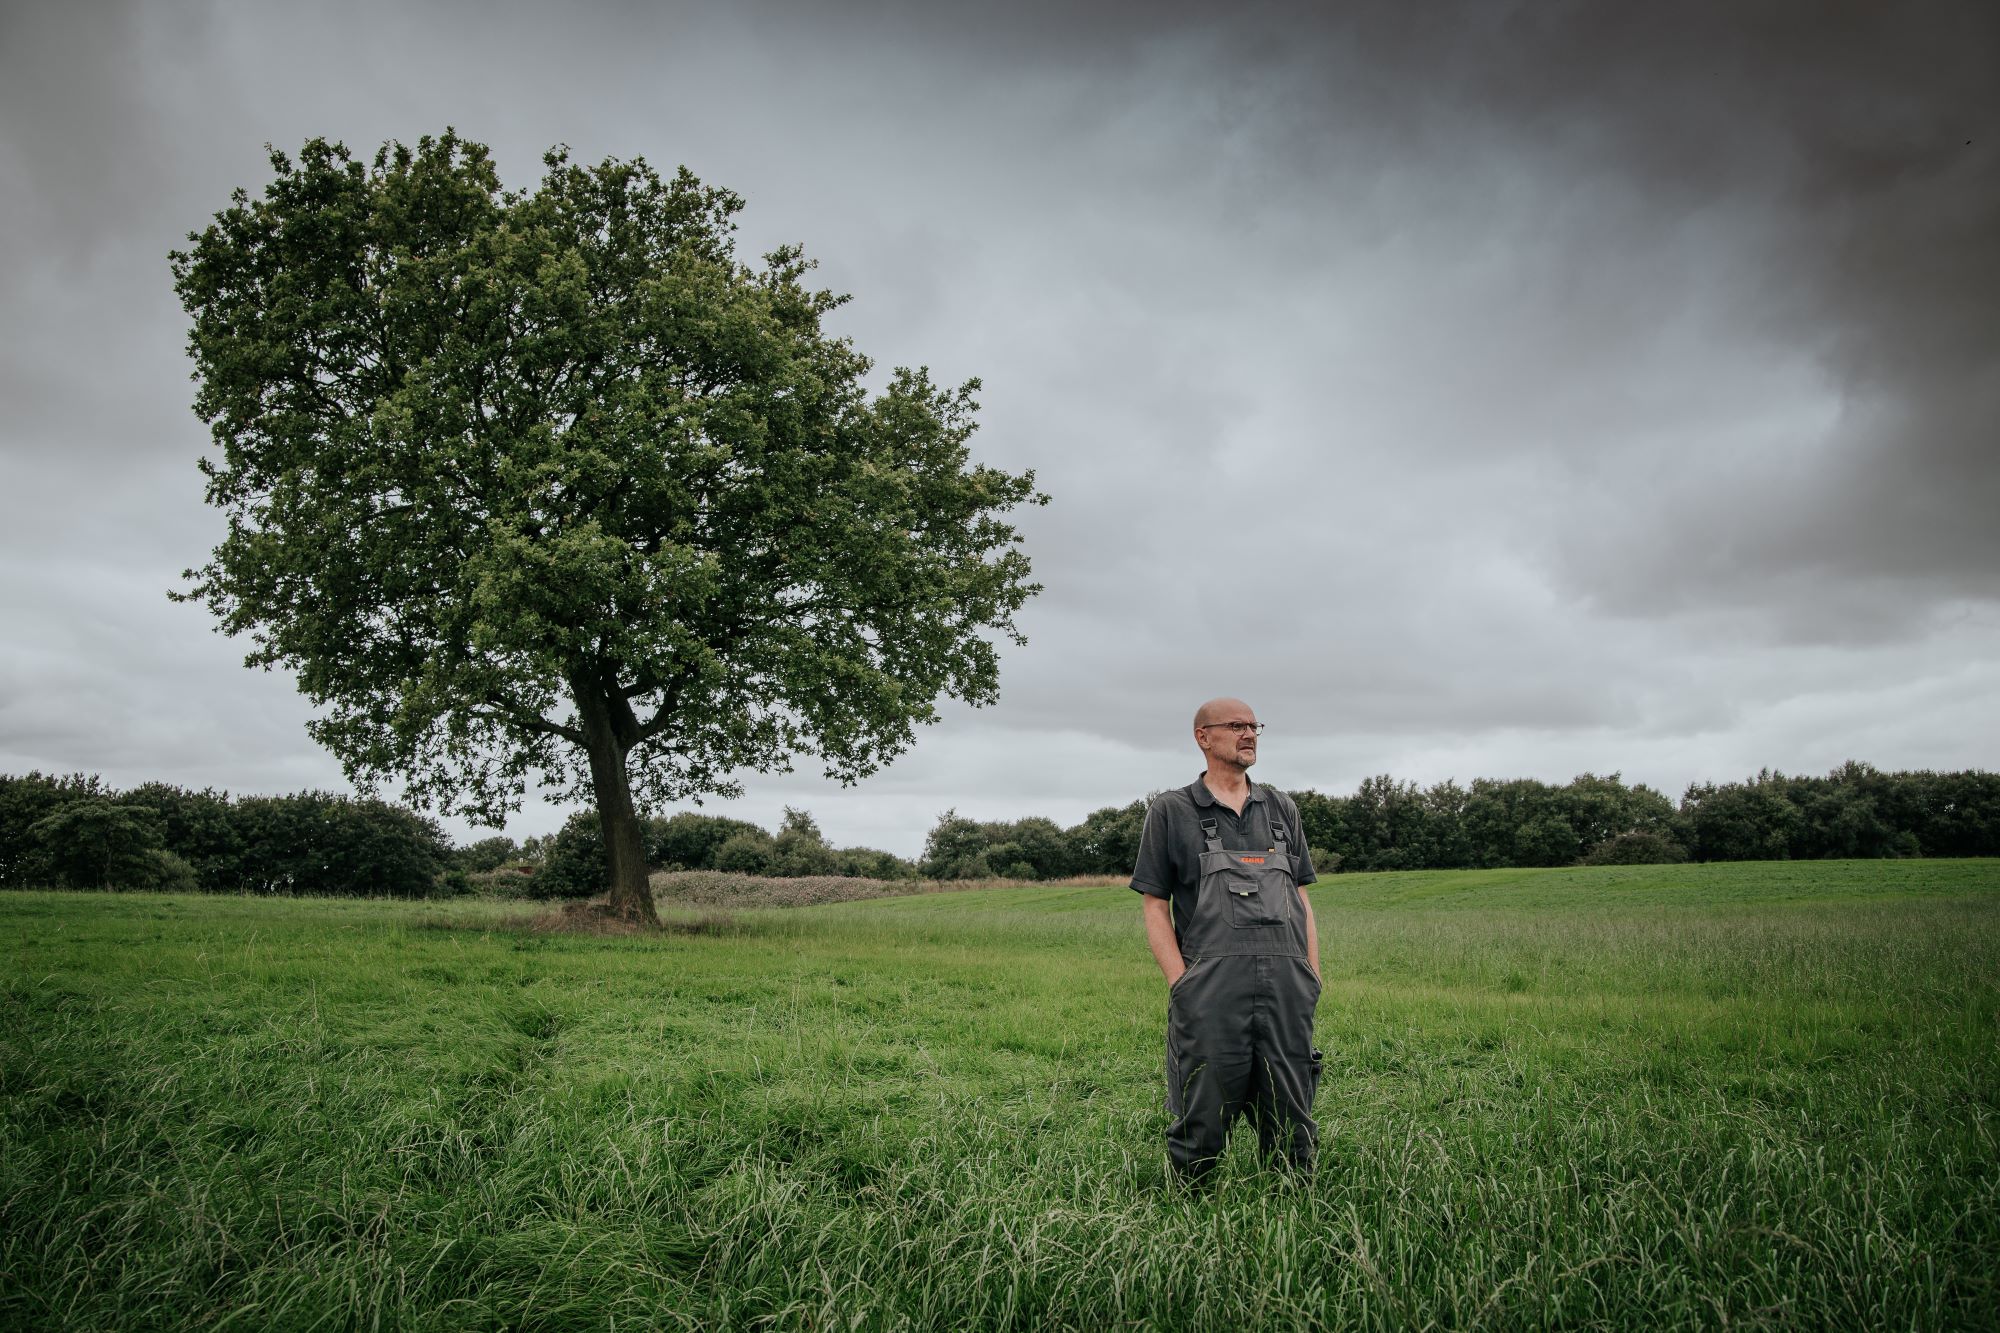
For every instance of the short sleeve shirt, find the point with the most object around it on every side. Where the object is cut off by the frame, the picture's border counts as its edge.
(1169, 863)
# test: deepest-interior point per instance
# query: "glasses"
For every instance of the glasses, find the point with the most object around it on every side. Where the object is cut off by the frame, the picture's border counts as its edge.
(1238, 727)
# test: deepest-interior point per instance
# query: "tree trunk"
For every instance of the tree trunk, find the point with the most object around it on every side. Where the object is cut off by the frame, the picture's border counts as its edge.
(631, 895)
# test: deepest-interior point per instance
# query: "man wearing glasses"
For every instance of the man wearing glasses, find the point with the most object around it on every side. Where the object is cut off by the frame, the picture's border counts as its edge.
(1221, 872)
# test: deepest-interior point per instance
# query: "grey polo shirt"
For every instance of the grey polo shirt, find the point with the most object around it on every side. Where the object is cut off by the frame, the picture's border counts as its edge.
(1170, 848)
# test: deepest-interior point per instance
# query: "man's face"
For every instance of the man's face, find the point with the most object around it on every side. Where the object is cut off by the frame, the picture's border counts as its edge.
(1230, 736)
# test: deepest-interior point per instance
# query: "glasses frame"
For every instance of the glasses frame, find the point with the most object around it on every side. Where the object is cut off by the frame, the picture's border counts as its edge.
(1236, 728)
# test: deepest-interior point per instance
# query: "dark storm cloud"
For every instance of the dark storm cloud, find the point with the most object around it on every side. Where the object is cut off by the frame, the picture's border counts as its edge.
(74, 150)
(1855, 149)
(1821, 178)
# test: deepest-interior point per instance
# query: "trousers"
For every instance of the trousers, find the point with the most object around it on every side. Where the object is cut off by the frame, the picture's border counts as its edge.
(1239, 1040)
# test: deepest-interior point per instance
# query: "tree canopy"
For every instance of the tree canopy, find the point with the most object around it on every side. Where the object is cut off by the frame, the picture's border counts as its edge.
(550, 482)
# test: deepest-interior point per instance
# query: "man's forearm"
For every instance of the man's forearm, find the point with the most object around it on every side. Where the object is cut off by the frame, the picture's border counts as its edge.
(1312, 931)
(1159, 914)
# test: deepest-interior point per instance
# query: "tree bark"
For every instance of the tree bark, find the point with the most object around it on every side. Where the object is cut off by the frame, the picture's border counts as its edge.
(631, 894)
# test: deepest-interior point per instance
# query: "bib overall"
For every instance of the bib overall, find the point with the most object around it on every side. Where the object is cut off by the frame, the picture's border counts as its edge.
(1239, 1020)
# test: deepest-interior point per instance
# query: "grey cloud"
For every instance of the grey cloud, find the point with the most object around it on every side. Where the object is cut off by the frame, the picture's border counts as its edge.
(1595, 191)
(1842, 132)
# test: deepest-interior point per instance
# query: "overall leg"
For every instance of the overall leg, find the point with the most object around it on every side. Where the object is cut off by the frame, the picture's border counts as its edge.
(1285, 1076)
(1208, 1065)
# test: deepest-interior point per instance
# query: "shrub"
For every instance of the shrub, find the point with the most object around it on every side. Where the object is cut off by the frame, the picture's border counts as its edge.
(513, 880)
(1107, 841)
(800, 848)
(573, 861)
(955, 846)
(170, 874)
(97, 843)
(1546, 840)
(966, 867)
(486, 854)
(690, 840)
(319, 843)
(1643, 847)
(25, 802)
(200, 827)
(868, 863)
(1041, 845)
(746, 854)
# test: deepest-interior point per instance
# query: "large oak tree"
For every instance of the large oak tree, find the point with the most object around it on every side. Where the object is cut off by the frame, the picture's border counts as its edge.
(550, 482)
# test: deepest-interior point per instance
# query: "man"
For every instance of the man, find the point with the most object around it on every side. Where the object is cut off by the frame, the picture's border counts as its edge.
(1222, 868)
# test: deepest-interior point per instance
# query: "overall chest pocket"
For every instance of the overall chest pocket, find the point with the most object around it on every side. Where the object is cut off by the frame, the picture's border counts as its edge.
(1257, 889)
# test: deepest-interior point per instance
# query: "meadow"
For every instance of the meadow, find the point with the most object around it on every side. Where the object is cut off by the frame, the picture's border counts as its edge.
(1740, 1095)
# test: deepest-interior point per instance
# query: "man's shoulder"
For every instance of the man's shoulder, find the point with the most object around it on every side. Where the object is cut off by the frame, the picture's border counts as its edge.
(1283, 798)
(1288, 811)
(1173, 803)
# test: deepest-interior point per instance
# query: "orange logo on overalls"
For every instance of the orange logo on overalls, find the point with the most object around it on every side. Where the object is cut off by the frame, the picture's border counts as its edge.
(1253, 860)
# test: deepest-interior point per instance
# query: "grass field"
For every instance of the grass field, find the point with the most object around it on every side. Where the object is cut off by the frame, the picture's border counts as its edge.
(1722, 1096)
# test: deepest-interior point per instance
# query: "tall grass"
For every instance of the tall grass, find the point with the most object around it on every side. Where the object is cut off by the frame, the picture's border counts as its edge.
(1730, 1095)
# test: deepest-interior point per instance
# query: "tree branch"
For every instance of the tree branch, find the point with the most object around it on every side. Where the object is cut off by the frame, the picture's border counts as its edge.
(664, 714)
(624, 722)
(503, 711)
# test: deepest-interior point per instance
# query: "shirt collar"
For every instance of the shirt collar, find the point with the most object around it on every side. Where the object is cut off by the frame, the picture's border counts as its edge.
(1203, 796)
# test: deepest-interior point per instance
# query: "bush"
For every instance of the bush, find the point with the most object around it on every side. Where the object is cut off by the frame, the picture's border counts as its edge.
(25, 802)
(1038, 844)
(97, 843)
(689, 840)
(322, 844)
(513, 880)
(746, 854)
(170, 874)
(199, 827)
(868, 863)
(486, 854)
(800, 848)
(965, 867)
(955, 846)
(1546, 840)
(1107, 841)
(574, 864)
(1642, 848)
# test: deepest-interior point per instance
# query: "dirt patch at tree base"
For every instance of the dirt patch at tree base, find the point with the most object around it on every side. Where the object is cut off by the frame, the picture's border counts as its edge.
(593, 916)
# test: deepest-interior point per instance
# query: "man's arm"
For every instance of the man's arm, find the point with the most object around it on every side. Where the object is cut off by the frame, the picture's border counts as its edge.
(1295, 827)
(1312, 931)
(1159, 914)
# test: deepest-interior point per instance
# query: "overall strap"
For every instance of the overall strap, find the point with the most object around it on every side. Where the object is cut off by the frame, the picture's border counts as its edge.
(1210, 836)
(1278, 831)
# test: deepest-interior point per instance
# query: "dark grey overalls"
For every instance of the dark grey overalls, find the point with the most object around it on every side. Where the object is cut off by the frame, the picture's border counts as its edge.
(1239, 1020)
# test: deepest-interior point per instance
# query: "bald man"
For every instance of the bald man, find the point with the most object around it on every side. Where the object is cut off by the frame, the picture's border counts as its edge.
(1221, 873)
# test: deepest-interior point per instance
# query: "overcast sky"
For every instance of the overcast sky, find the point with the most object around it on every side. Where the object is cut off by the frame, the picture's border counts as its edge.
(1480, 390)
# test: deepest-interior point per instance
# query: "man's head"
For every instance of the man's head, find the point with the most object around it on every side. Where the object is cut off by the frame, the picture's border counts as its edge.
(1226, 730)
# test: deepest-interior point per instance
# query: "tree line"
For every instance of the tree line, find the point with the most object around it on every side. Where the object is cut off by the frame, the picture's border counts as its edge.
(77, 832)
(1854, 811)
